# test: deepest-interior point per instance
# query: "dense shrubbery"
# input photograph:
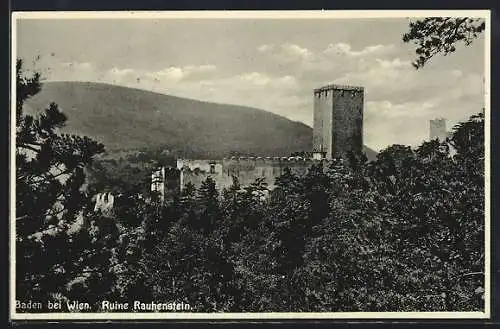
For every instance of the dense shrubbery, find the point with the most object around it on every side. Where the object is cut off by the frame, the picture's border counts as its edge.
(402, 233)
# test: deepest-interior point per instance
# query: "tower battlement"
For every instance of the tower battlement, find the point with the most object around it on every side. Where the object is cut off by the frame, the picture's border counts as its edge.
(269, 160)
(200, 164)
(205, 164)
(338, 87)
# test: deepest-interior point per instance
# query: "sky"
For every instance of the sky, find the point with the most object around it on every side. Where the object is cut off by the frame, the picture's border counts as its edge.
(269, 64)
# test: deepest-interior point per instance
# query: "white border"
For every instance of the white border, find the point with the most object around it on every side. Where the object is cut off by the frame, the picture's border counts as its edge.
(487, 163)
(319, 14)
(251, 14)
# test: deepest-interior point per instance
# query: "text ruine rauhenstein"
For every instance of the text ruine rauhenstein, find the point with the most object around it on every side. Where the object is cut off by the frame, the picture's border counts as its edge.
(141, 306)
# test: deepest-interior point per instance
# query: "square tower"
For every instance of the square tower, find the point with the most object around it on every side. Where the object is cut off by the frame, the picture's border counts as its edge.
(338, 120)
(437, 129)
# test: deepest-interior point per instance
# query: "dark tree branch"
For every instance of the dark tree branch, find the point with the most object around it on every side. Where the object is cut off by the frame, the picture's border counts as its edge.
(434, 35)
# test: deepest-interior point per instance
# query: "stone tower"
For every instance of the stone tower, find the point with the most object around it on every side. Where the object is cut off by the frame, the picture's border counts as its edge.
(158, 182)
(437, 129)
(338, 121)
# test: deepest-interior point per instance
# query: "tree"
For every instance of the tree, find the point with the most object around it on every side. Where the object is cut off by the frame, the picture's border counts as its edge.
(62, 247)
(242, 229)
(402, 233)
(434, 35)
(208, 206)
(184, 258)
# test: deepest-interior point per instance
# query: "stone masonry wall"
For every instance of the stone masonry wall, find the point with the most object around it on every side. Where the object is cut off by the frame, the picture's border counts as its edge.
(247, 170)
(338, 120)
(347, 123)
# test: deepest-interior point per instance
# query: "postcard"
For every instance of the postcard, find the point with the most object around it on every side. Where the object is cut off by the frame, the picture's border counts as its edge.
(205, 165)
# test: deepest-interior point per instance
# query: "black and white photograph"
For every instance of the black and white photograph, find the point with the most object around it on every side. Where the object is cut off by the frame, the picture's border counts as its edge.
(250, 165)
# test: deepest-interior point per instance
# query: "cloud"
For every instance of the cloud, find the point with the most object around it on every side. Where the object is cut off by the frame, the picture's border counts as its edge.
(85, 71)
(278, 94)
(254, 78)
(457, 73)
(117, 75)
(287, 52)
(170, 74)
(387, 123)
(297, 52)
(177, 74)
(265, 48)
(324, 65)
(121, 72)
(399, 99)
(372, 50)
(262, 80)
(200, 68)
(395, 79)
(395, 63)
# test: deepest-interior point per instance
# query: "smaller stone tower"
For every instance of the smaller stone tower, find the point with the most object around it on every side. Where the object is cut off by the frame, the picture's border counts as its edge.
(437, 129)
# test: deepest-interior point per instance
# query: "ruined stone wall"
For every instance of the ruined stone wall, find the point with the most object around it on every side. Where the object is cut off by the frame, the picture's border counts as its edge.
(158, 182)
(246, 169)
(172, 181)
(104, 202)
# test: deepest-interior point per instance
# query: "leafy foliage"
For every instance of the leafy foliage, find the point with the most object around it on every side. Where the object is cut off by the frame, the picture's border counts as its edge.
(434, 35)
(404, 232)
(62, 248)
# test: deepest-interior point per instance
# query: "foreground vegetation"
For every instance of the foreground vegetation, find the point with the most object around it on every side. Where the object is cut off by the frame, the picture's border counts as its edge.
(402, 233)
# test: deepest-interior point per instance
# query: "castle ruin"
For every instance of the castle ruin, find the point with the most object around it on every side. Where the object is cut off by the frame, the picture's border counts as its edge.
(338, 121)
(337, 130)
(437, 129)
